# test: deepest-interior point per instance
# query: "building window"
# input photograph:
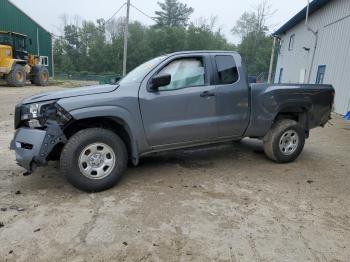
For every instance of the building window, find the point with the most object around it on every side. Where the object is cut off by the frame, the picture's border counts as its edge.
(280, 76)
(291, 42)
(44, 60)
(321, 71)
(280, 46)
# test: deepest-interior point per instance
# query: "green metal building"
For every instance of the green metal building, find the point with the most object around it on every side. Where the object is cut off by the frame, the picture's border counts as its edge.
(14, 19)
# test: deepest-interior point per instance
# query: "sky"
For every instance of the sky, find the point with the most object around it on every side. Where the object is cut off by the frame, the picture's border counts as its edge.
(48, 12)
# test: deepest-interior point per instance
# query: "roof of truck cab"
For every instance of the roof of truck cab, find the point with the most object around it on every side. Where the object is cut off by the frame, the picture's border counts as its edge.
(202, 51)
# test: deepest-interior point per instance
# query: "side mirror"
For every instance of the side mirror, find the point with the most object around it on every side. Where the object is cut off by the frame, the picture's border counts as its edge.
(159, 81)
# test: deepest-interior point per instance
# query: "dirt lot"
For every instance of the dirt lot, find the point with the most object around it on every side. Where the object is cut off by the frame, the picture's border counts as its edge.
(222, 203)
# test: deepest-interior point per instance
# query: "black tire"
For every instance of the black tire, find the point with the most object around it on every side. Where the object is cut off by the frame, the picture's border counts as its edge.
(71, 153)
(275, 147)
(40, 76)
(17, 76)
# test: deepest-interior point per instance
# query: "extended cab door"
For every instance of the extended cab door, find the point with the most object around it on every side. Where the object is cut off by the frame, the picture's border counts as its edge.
(184, 111)
(232, 94)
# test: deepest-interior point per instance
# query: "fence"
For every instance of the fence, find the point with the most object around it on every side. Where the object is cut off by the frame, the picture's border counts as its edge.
(102, 79)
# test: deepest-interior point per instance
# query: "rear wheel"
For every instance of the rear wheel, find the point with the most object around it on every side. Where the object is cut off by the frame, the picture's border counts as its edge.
(17, 76)
(285, 141)
(94, 159)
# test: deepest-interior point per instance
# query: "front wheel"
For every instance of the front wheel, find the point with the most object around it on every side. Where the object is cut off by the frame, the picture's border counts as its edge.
(285, 141)
(94, 159)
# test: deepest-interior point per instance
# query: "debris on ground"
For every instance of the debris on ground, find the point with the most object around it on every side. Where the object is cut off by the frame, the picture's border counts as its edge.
(20, 209)
(2, 224)
(37, 230)
(3, 209)
(125, 243)
(18, 192)
(310, 181)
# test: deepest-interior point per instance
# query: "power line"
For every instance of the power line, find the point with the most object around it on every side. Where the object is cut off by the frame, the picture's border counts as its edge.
(126, 32)
(115, 13)
(98, 29)
(150, 17)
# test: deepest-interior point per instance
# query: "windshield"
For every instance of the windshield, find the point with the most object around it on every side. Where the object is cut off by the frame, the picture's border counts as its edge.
(136, 75)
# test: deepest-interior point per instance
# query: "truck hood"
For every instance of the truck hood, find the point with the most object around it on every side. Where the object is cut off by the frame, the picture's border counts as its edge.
(73, 92)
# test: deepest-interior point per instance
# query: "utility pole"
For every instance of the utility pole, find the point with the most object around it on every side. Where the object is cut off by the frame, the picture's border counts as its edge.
(269, 80)
(126, 34)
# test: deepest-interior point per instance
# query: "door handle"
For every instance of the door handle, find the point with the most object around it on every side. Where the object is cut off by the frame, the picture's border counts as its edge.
(207, 94)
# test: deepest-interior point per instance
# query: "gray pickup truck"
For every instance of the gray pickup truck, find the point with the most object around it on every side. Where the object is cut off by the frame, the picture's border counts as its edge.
(174, 101)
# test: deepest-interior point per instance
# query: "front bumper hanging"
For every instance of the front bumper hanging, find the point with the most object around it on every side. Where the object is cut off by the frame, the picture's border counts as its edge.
(32, 146)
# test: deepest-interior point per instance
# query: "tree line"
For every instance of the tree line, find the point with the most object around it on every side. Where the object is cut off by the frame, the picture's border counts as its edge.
(97, 47)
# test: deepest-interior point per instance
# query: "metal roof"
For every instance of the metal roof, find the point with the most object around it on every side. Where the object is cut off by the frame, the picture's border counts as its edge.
(19, 9)
(314, 6)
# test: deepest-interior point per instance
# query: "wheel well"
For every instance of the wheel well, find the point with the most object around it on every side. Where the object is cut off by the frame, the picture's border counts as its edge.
(297, 114)
(113, 124)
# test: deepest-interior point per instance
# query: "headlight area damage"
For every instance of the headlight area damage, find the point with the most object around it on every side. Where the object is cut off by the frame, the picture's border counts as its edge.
(38, 130)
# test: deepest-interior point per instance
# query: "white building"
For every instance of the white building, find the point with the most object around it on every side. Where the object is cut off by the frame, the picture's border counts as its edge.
(318, 51)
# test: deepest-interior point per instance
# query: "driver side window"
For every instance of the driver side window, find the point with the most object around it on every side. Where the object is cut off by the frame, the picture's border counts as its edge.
(185, 72)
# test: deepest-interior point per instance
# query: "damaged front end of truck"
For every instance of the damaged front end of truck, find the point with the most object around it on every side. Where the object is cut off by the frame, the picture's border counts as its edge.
(38, 131)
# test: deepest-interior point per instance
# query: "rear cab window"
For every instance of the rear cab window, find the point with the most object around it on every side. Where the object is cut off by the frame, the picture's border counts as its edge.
(227, 72)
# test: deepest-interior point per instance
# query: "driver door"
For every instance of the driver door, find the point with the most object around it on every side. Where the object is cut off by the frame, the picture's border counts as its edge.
(183, 111)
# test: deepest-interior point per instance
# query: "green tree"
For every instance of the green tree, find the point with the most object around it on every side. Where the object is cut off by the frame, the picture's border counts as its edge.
(256, 44)
(248, 23)
(256, 51)
(204, 35)
(166, 40)
(173, 13)
(97, 47)
(139, 48)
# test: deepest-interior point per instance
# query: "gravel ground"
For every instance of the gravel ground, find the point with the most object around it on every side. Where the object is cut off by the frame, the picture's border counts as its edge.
(222, 203)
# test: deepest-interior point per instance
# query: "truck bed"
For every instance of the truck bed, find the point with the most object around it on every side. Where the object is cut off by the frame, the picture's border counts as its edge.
(268, 102)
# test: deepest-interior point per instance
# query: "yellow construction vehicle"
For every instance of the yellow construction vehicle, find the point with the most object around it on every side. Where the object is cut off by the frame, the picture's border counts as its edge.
(17, 65)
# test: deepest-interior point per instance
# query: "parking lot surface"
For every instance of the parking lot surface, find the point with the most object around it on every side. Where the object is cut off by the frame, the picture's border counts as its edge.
(226, 202)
